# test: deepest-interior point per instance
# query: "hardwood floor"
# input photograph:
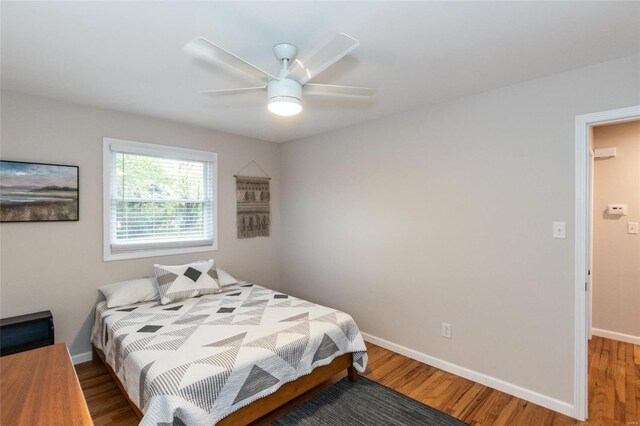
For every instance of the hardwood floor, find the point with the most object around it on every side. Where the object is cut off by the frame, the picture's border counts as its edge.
(614, 391)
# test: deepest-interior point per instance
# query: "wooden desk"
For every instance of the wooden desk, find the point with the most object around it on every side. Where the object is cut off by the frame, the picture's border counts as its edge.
(40, 387)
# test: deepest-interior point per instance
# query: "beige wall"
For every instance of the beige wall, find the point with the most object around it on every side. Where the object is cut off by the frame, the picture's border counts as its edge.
(616, 254)
(59, 266)
(445, 214)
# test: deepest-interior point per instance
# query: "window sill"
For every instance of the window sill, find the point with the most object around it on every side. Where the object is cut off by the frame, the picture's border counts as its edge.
(108, 256)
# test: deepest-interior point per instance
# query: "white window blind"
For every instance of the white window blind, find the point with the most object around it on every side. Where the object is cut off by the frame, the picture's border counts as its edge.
(160, 197)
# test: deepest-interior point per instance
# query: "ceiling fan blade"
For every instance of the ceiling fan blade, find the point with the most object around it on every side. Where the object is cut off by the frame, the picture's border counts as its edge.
(203, 49)
(338, 91)
(242, 91)
(322, 58)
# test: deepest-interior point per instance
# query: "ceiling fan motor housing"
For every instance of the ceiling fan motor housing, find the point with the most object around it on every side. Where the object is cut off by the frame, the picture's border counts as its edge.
(284, 90)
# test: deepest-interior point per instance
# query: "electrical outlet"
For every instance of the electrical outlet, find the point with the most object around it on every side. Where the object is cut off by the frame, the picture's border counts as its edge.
(446, 330)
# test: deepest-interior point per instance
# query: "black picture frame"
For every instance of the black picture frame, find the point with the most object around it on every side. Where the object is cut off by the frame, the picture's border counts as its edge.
(27, 196)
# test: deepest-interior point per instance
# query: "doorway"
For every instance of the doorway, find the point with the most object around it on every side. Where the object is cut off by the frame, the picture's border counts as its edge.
(583, 243)
(615, 248)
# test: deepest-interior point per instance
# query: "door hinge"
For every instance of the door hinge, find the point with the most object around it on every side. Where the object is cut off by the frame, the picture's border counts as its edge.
(585, 286)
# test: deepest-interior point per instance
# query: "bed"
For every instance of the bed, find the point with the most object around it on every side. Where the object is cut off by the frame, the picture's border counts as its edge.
(226, 358)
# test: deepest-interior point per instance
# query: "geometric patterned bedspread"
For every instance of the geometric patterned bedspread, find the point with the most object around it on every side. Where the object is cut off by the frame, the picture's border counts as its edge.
(196, 361)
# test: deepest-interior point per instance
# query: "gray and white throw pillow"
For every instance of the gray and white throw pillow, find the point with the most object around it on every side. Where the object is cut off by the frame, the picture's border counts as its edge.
(179, 282)
(224, 278)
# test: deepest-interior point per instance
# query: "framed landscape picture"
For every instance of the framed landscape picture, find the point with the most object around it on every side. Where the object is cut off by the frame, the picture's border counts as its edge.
(38, 192)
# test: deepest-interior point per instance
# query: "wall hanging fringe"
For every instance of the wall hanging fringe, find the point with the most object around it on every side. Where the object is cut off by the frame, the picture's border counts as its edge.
(253, 214)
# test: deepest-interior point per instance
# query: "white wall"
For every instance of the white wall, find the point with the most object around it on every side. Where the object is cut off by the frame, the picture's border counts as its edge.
(444, 214)
(616, 253)
(59, 266)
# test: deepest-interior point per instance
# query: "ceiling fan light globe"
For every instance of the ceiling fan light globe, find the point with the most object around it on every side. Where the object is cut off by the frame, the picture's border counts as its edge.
(285, 106)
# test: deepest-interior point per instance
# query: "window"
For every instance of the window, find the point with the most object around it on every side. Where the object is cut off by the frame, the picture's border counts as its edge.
(158, 200)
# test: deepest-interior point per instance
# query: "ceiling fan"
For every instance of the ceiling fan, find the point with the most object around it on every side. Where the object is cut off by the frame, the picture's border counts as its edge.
(284, 92)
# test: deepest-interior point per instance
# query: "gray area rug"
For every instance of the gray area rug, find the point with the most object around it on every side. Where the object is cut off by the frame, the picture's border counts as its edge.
(364, 403)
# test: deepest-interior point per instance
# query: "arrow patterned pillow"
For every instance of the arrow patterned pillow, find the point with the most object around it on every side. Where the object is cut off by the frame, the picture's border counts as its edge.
(180, 282)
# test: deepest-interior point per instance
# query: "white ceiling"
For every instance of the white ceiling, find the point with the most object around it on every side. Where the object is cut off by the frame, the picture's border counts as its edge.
(127, 56)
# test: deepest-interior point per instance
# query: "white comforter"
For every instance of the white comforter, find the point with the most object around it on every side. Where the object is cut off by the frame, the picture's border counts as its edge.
(196, 361)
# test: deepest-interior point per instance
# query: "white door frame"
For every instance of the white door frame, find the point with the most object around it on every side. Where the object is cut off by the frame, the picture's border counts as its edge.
(582, 230)
(591, 178)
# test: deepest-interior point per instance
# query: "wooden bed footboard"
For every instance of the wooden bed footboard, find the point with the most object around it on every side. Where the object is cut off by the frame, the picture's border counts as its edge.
(267, 404)
(99, 355)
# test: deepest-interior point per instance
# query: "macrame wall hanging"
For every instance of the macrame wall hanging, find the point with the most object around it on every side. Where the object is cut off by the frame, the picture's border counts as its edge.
(253, 197)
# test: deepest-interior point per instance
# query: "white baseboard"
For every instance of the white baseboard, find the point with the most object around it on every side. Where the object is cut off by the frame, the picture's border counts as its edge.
(628, 338)
(80, 358)
(492, 382)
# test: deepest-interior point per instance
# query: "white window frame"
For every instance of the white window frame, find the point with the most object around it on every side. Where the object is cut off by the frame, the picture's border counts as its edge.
(156, 151)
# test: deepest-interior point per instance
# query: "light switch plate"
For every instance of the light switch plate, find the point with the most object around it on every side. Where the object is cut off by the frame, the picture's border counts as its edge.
(559, 230)
(632, 227)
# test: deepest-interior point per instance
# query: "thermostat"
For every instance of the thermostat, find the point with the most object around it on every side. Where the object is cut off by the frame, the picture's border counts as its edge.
(617, 209)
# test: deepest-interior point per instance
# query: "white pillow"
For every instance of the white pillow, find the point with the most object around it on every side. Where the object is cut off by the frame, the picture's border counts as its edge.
(178, 282)
(129, 292)
(224, 279)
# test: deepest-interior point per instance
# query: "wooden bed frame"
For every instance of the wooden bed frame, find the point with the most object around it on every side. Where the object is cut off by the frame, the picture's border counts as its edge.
(267, 404)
